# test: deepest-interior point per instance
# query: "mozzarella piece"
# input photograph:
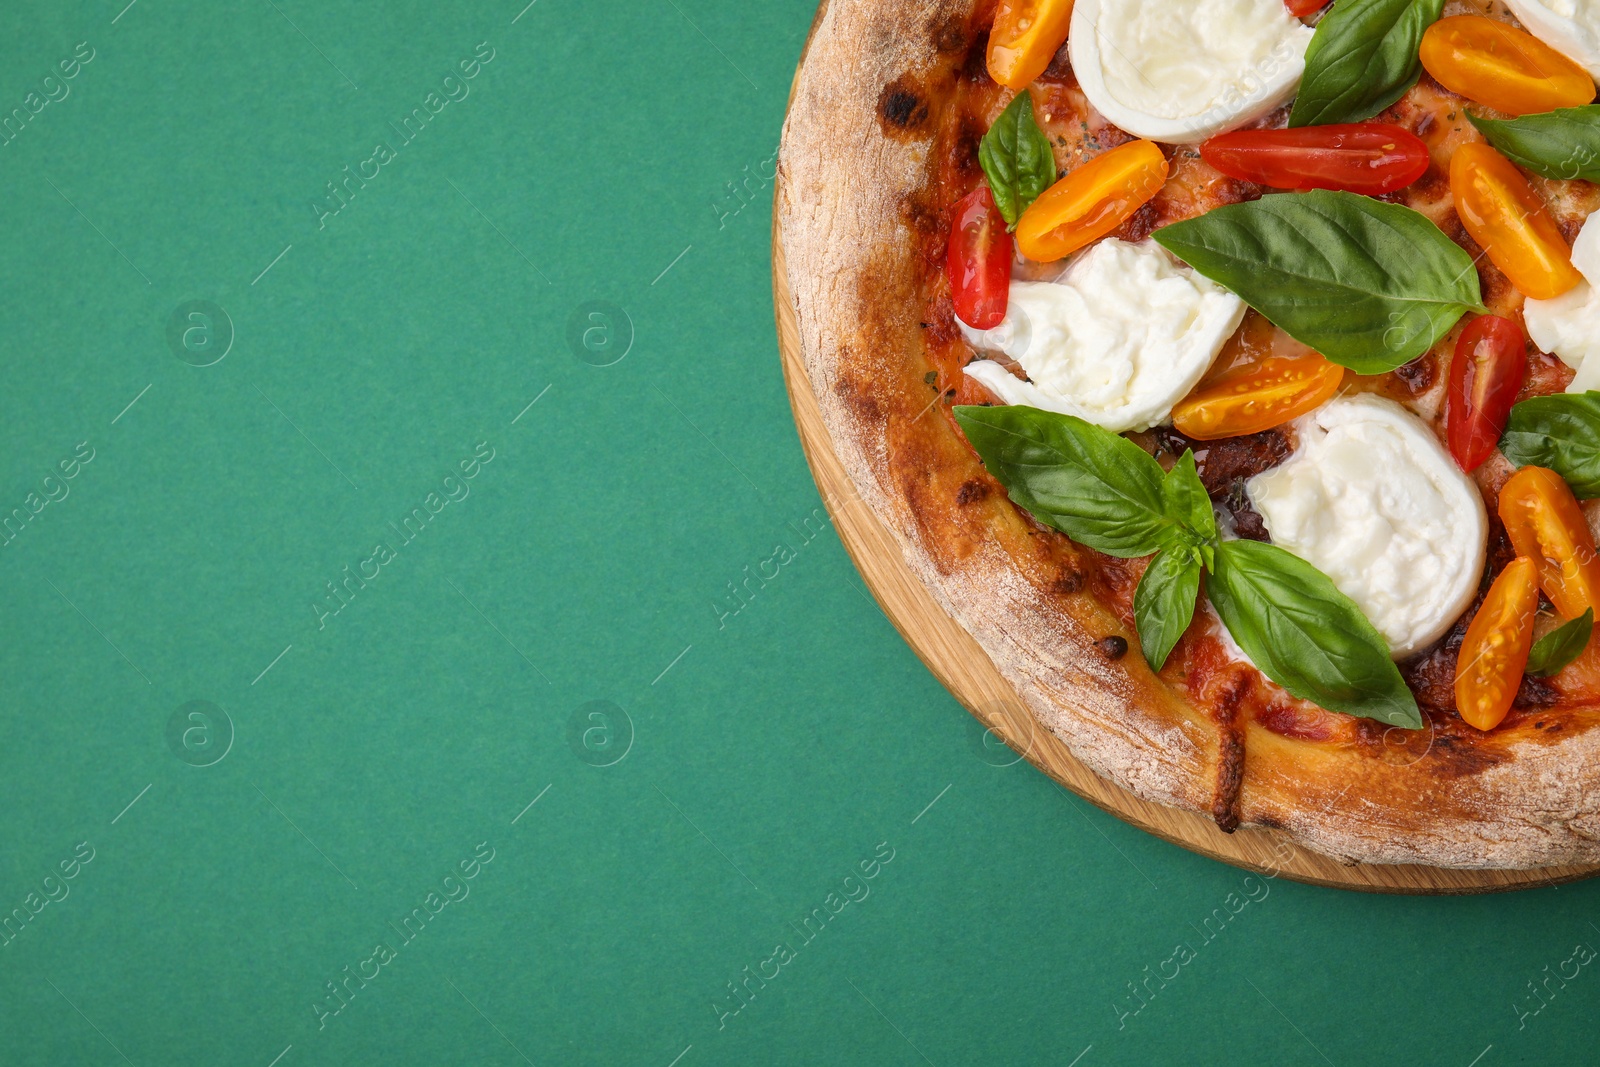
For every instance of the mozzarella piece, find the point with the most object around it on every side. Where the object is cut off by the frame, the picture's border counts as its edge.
(1180, 71)
(1370, 499)
(1571, 27)
(1123, 335)
(1569, 325)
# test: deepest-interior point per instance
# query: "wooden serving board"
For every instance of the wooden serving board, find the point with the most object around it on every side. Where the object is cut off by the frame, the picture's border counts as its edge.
(956, 659)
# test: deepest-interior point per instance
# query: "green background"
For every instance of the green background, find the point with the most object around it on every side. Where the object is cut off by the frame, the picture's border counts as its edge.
(613, 160)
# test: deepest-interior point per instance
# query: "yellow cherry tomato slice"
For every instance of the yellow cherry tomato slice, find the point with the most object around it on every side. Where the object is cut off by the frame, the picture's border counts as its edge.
(1025, 37)
(1091, 201)
(1545, 524)
(1257, 398)
(1506, 217)
(1495, 650)
(1502, 67)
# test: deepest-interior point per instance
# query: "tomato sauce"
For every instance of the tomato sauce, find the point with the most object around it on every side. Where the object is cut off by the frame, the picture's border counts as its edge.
(1202, 665)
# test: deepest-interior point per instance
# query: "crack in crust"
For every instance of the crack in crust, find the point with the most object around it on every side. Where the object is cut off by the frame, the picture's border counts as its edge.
(856, 216)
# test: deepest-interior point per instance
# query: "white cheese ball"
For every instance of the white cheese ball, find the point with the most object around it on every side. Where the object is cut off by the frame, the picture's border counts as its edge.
(1179, 71)
(1372, 500)
(1569, 325)
(1125, 333)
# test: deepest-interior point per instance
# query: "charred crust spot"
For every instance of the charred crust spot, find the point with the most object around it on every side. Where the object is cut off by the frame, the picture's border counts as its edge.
(1113, 647)
(1230, 753)
(1456, 755)
(861, 404)
(1271, 822)
(1067, 583)
(949, 36)
(920, 216)
(972, 491)
(901, 108)
(969, 135)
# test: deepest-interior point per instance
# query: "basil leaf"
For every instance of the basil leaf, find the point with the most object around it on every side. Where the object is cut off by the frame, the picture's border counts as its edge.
(1185, 500)
(1099, 489)
(1362, 59)
(1561, 432)
(1306, 635)
(1370, 285)
(1015, 155)
(1554, 650)
(1554, 144)
(1164, 602)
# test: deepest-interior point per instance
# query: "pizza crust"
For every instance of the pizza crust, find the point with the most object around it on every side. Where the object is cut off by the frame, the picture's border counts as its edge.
(854, 172)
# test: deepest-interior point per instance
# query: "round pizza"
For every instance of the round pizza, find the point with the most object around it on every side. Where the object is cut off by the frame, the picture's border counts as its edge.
(1228, 369)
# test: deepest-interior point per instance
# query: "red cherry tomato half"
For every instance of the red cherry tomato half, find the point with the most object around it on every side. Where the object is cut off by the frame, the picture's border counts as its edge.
(1362, 157)
(979, 261)
(1490, 362)
(1301, 9)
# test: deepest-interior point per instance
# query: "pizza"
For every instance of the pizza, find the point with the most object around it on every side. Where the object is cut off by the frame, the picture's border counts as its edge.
(1223, 367)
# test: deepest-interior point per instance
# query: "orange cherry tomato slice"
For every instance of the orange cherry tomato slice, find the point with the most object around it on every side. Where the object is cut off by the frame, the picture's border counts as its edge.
(1092, 201)
(1495, 650)
(1257, 397)
(1506, 217)
(1545, 524)
(1025, 37)
(1302, 9)
(1502, 67)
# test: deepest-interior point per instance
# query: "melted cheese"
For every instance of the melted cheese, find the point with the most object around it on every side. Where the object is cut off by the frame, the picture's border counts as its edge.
(1124, 334)
(1179, 71)
(1371, 499)
(1569, 325)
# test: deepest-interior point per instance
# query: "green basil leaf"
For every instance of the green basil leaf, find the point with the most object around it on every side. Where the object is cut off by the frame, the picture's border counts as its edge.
(1370, 285)
(1015, 155)
(1561, 432)
(1164, 601)
(1306, 635)
(1362, 59)
(1555, 144)
(1186, 501)
(1099, 489)
(1555, 649)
